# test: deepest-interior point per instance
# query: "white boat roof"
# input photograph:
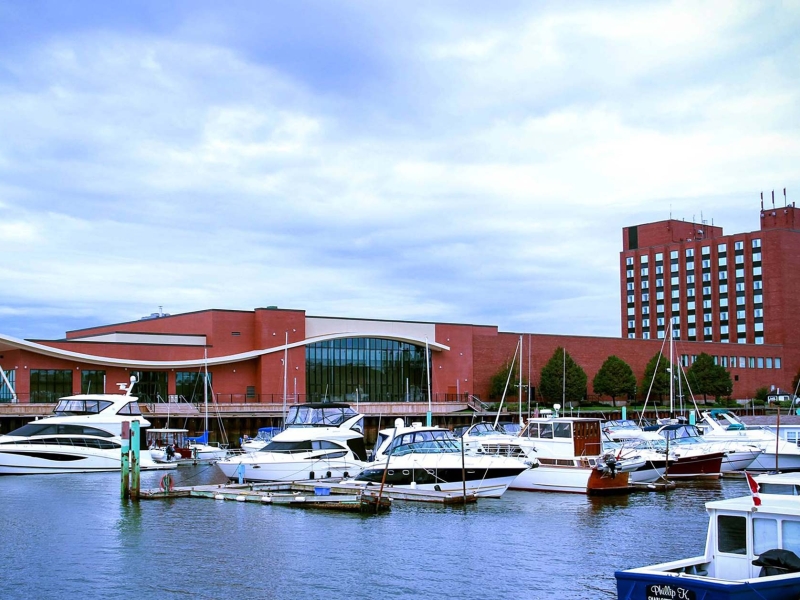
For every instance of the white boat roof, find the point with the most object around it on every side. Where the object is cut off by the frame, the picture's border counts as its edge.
(770, 504)
(154, 431)
(785, 478)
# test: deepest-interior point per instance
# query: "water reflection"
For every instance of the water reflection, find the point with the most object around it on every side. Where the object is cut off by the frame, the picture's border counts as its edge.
(72, 535)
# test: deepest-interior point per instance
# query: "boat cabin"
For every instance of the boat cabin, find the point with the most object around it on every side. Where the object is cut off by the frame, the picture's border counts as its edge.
(320, 414)
(564, 438)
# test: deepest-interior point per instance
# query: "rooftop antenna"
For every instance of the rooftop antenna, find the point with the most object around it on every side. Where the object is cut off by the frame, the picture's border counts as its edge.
(762, 200)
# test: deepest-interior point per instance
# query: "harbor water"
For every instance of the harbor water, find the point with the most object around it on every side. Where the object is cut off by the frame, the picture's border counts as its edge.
(71, 536)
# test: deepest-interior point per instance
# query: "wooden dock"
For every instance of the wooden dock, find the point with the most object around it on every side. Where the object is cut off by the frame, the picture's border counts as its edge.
(323, 494)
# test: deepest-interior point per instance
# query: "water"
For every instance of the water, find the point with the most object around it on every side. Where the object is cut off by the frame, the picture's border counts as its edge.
(71, 536)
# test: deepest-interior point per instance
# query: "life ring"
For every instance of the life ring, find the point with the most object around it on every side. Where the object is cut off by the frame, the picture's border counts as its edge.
(167, 484)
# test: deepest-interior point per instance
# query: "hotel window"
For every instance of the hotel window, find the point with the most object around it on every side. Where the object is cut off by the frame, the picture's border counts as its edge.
(723, 275)
(756, 256)
(723, 288)
(759, 339)
(659, 256)
(631, 299)
(751, 362)
(707, 290)
(708, 317)
(675, 307)
(643, 272)
(706, 276)
(690, 292)
(740, 287)
(756, 243)
(741, 339)
(758, 312)
(757, 285)
(705, 250)
(742, 363)
(690, 318)
(723, 261)
(769, 362)
(645, 285)
(645, 310)
(630, 274)
(758, 299)
(723, 302)
(760, 362)
(631, 324)
(676, 333)
(690, 279)
(676, 293)
(722, 248)
(777, 363)
(660, 321)
(631, 311)
(673, 254)
(706, 303)
(723, 316)
(631, 336)
(629, 260)
(689, 252)
(660, 335)
(707, 331)
(659, 295)
(706, 264)
(660, 308)
(739, 300)
(723, 329)
(673, 268)
(690, 265)
(738, 246)
(643, 258)
(676, 320)
(756, 271)
(659, 283)
(692, 332)
(630, 286)
(674, 281)
(645, 297)
(690, 305)
(645, 322)
(759, 327)
(739, 259)
(659, 269)
(741, 328)
(740, 315)
(724, 361)
(645, 335)
(739, 273)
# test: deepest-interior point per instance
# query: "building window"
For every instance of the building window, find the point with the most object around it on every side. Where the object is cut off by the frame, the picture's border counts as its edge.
(723, 302)
(659, 295)
(690, 279)
(723, 361)
(757, 284)
(723, 288)
(758, 327)
(722, 248)
(630, 274)
(690, 318)
(659, 256)
(708, 317)
(645, 297)
(723, 329)
(659, 283)
(643, 272)
(777, 363)
(690, 292)
(759, 312)
(645, 285)
(689, 252)
(48, 385)
(756, 256)
(191, 385)
(6, 394)
(645, 335)
(660, 308)
(706, 303)
(705, 250)
(741, 328)
(674, 268)
(723, 261)
(93, 382)
(756, 271)
(739, 259)
(706, 264)
(631, 324)
(631, 311)
(673, 254)
(739, 273)
(740, 315)
(751, 362)
(759, 339)
(645, 323)
(692, 332)
(630, 286)
(723, 275)
(660, 335)
(631, 299)
(645, 310)
(674, 281)
(706, 276)
(631, 336)
(690, 265)
(760, 362)
(739, 300)
(769, 362)
(707, 290)
(690, 305)
(742, 363)
(756, 243)
(629, 260)
(643, 258)
(758, 299)
(707, 331)
(738, 246)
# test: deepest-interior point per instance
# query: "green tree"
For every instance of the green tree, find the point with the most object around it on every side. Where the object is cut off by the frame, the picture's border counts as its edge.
(761, 394)
(552, 384)
(656, 376)
(497, 384)
(615, 378)
(709, 379)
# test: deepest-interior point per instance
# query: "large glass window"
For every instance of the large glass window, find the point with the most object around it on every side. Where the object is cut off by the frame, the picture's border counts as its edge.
(151, 386)
(732, 534)
(189, 384)
(93, 382)
(376, 369)
(765, 535)
(6, 394)
(48, 385)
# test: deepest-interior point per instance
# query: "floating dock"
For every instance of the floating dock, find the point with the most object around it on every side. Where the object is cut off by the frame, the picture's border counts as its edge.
(308, 494)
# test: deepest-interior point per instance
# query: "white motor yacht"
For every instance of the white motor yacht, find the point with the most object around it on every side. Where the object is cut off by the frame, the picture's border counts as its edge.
(738, 456)
(430, 458)
(170, 445)
(778, 454)
(321, 440)
(83, 435)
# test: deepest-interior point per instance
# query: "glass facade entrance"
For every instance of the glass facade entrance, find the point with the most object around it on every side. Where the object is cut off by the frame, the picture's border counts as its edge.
(367, 370)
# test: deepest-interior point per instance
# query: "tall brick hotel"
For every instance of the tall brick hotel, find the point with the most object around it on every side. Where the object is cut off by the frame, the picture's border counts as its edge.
(731, 296)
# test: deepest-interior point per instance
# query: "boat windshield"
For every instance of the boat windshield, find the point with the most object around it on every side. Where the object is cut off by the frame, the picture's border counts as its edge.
(303, 415)
(683, 433)
(482, 429)
(300, 446)
(34, 429)
(424, 442)
(81, 407)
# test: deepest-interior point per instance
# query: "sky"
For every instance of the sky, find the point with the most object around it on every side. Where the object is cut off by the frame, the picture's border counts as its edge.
(464, 162)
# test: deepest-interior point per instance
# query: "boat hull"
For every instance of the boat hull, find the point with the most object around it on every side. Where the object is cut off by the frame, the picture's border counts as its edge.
(701, 466)
(262, 466)
(766, 462)
(575, 480)
(632, 585)
(43, 459)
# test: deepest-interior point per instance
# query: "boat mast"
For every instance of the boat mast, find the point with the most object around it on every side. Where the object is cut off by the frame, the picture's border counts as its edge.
(671, 375)
(520, 381)
(428, 372)
(285, 362)
(205, 390)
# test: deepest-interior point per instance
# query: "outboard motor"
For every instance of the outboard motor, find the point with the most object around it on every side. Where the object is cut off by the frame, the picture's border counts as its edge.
(608, 464)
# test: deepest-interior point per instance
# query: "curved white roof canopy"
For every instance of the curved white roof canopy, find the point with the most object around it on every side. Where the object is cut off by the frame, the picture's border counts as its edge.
(11, 343)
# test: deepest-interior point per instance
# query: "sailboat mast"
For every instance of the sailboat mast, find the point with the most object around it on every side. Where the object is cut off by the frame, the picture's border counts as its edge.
(428, 372)
(671, 375)
(520, 380)
(285, 363)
